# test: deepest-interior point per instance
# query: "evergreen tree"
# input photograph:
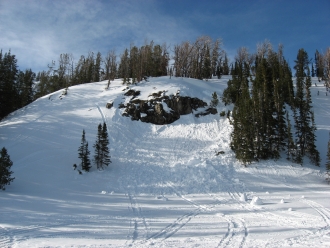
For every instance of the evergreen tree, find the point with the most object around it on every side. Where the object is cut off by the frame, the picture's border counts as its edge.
(327, 164)
(304, 117)
(287, 89)
(225, 66)
(124, 68)
(219, 71)
(101, 146)
(105, 146)
(134, 64)
(312, 151)
(25, 87)
(264, 108)
(242, 114)
(5, 165)
(233, 91)
(98, 160)
(97, 68)
(215, 101)
(242, 135)
(313, 71)
(83, 154)
(206, 67)
(319, 67)
(8, 87)
(291, 148)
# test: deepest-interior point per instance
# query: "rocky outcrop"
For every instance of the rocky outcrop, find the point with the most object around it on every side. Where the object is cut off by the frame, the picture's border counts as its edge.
(152, 110)
(185, 105)
(208, 111)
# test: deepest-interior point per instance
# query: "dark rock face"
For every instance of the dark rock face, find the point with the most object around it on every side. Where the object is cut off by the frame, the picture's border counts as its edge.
(132, 93)
(185, 105)
(152, 111)
(212, 111)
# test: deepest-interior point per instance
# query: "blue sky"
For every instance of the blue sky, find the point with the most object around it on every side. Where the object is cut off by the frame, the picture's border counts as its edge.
(38, 31)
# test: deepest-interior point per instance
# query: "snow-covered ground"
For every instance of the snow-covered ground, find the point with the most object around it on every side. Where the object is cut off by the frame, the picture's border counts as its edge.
(165, 187)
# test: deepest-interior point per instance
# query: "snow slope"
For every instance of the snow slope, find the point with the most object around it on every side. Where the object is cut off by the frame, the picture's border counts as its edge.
(165, 187)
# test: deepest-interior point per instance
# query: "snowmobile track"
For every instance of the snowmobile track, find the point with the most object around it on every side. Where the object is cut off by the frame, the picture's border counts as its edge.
(236, 233)
(322, 211)
(137, 221)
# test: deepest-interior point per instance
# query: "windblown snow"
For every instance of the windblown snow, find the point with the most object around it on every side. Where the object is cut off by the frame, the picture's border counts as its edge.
(165, 187)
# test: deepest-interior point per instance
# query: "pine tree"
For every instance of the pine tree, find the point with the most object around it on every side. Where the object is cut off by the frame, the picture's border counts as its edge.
(206, 67)
(242, 135)
(313, 71)
(5, 165)
(105, 146)
(97, 68)
(101, 146)
(123, 69)
(97, 146)
(290, 150)
(8, 84)
(233, 91)
(327, 164)
(25, 87)
(312, 151)
(300, 103)
(225, 66)
(264, 108)
(304, 116)
(319, 67)
(215, 101)
(84, 154)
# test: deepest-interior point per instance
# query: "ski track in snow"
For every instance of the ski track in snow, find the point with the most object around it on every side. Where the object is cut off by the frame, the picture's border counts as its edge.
(102, 115)
(138, 222)
(321, 210)
(13, 237)
(237, 230)
(236, 234)
(178, 224)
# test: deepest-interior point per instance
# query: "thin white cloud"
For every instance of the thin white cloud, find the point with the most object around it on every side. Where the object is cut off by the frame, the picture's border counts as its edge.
(39, 31)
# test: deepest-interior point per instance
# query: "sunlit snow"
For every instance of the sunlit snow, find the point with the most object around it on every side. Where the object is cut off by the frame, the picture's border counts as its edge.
(165, 186)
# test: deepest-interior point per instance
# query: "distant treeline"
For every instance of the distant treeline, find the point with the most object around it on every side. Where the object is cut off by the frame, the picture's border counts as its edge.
(201, 59)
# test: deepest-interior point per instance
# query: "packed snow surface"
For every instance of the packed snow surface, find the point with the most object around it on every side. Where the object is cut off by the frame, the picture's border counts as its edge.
(165, 186)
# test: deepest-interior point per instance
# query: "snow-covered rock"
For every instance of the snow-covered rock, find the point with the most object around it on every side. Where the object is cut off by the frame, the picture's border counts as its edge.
(243, 197)
(256, 201)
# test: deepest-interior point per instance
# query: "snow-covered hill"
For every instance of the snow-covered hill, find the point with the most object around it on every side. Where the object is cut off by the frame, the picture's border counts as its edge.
(165, 187)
